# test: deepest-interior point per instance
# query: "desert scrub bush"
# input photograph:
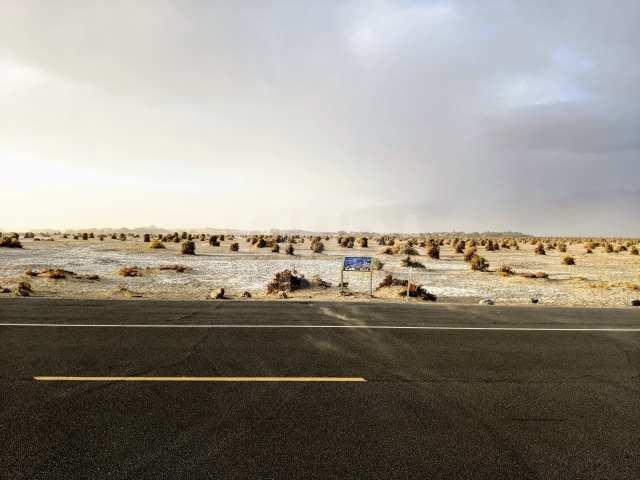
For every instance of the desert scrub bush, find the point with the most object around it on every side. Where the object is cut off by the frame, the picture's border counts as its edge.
(10, 242)
(608, 248)
(405, 248)
(479, 264)
(418, 291)
(386, 251)
(568, 260)
(234, 247)
(188, 247)
(489, 246)
(316, 245)
(261, 243)
(146, 238)
(130, 272)
(539, 250)
(156, 244)
(275, 248)
(376, 264)
(459, 247)
(634, 250)
(389, 281)
(409, 262)
(213, 241)
(434, 251)
(536, 275)
(23, 289)
(289, 250)
(363, 242)
(562, 248)
(505, 270)
(287, 281)
(469, 253)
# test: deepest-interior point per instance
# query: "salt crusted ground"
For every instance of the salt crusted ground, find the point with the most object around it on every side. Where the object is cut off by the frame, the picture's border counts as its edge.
(600, 279)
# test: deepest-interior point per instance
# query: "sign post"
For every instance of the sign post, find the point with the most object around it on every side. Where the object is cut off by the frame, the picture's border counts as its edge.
(357, 264)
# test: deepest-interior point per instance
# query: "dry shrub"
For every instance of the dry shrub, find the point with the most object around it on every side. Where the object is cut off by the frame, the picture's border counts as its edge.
(316, 281)
(376, 264)
(479, 264)
(10, 242)
(505, 270)
(275, 248)
(188, 247)
(634, 251)
(130, 272)
(537, 275)
(469, 253)
(287, 281)
(389, 281)
(562, 248)
(55, 273)
(632, 286)
(156, 244)
(418, 291)
(363, 242)
(23, 289)
(234, 247)
(386, 251)
(408, 262)
(608, 248)
(405, 248)
(261, 243)
(176, 268)
(316, 245)
(539, 250)
(459, 247)
(289, 249)
(213, 241)
(146, 238)
(434, 251)
(31, 273)
(568, 260)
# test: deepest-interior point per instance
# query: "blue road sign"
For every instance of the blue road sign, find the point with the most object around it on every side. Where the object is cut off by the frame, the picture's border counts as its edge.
(358, 264)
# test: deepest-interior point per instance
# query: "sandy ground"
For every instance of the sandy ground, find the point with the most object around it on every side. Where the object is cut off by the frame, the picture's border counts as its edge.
(598, 280)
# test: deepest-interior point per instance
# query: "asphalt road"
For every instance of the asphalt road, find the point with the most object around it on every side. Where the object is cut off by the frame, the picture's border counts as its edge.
(466, 392)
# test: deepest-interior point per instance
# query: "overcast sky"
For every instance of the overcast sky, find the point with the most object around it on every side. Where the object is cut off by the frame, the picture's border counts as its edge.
(374, 115)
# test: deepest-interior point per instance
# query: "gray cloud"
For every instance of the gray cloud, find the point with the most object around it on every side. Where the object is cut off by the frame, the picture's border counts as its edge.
(306, 114)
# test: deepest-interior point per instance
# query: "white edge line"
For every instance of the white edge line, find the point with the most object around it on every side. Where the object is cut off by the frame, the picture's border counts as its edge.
(368, 327)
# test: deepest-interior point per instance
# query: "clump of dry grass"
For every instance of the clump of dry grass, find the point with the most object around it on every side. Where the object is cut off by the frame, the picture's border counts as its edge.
(275, 248)
(130, 272)
(386, 251)
(568, 260)
(287, 281)
(289, 249)
(539, 250)
(188, 247)
(234, 247)
(261, 243)
(634, 250)
(479, 264)
(156, 244)
(213, 241)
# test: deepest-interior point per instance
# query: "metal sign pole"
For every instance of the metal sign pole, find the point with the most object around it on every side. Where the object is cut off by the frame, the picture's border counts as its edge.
(409, 283)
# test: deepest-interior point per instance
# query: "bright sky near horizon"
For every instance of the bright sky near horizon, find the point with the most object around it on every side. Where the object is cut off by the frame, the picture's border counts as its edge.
(334, 115)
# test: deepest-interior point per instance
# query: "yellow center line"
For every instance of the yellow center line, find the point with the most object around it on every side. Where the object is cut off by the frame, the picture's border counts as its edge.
(198, 379)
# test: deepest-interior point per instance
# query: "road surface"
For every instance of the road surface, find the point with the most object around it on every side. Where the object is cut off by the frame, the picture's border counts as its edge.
(145, 389)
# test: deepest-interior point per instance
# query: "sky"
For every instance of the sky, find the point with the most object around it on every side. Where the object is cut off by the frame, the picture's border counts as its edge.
(396, 116)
